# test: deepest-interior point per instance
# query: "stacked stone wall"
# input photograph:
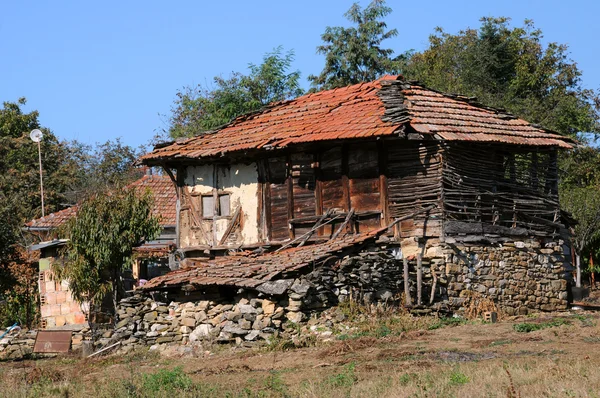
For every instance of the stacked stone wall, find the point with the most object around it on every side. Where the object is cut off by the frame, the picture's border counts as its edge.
(520, 276)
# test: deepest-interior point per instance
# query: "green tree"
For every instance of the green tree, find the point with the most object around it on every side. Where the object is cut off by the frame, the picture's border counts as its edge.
(355, 54)
(198, 109)
(101, 241)
(509, 67)
(579, 188)
(19, 170)
(102, 166)
(20, 201)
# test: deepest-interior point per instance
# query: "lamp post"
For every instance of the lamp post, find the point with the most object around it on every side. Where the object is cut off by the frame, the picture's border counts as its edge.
(36, 136)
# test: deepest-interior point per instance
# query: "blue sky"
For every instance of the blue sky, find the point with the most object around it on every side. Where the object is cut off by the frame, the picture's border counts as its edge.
(107, 69)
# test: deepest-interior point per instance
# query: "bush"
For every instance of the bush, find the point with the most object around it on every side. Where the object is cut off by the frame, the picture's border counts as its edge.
(526, 327)
(169, 381)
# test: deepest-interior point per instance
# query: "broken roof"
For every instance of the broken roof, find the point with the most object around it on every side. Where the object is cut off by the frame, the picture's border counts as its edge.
(253, 270)
(161, 187)
(375, 109)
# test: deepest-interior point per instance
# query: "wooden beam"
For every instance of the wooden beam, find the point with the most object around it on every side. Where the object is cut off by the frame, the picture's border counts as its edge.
(419, 279)
(383, 183)
(344, 224)
(407, 299)
(346, 184)
(232, 224)
(307, 233)
(314, 228)
(318, 187)
(290, 195)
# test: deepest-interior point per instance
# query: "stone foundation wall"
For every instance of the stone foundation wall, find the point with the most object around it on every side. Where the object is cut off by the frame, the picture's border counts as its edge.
(519, 276)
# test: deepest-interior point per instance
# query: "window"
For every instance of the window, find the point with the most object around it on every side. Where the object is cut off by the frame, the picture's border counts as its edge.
(208, 206)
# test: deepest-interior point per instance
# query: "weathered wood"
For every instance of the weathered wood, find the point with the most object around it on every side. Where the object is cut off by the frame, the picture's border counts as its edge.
(233, 223)
(314, 228)
(318, 224)
(290, 197)
(433, 285)
(407, 299)
(419, 279)
(344, 224)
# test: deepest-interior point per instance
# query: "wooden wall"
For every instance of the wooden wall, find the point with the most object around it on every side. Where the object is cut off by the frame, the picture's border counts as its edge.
(377, 181)
(512, 188)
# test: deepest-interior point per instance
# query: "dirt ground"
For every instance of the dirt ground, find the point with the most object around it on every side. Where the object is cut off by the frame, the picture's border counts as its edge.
(473, 359)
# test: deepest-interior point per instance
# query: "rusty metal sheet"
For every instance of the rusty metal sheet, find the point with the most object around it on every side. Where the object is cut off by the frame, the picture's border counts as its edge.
(53, 341)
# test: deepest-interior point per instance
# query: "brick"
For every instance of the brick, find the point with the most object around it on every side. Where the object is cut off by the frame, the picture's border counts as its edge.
(45, 311)
(70, 319)
(79, 319)
(60, 320)
(51, 298)
(61, 297)
(55, 309)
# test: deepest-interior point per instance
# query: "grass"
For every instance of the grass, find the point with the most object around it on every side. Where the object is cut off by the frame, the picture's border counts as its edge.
(368, 366)
(527, 327)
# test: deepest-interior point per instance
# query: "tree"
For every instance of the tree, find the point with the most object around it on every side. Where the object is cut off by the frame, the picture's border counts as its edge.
(510, 68)
(101, 240)
(19, 170)
(580, 184)
(198, 109)
(354, 55)
(102, 167)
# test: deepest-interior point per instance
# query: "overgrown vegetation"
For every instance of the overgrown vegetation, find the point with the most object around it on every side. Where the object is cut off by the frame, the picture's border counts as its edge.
(527, 327)
(101, 241)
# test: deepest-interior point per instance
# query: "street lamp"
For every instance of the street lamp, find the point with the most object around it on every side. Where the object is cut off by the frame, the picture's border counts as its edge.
(36, 136)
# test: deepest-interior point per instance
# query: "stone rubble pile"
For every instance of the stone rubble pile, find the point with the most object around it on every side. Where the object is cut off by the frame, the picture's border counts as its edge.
(20, 345)
(143, 321)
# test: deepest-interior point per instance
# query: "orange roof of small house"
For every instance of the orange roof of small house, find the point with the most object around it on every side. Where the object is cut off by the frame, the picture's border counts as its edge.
(161, 187)
(360, 111)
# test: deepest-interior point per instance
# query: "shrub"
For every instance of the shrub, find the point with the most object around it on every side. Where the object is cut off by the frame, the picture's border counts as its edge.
(169, 381)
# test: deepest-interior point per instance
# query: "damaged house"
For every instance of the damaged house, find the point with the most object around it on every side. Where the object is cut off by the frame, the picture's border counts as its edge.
(153, 258)
(365, 192)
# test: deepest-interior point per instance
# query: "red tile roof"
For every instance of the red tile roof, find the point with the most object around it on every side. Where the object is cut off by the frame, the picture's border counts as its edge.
(165, 197)
(53, 220)
(457, 120)
(163, 192)
(356, 112)
(252, 270)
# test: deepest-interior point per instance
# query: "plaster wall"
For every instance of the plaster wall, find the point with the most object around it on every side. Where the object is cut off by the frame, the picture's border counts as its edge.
(240, 181)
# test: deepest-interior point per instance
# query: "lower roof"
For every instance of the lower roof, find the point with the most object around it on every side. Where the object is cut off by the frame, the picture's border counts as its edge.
(252, 270)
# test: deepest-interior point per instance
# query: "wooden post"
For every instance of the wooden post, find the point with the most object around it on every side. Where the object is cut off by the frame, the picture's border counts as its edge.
(433, 285)
(408, 300)
(419, 279)
(578, 265)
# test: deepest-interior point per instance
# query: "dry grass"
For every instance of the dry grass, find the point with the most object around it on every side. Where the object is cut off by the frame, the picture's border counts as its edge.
(469, 360)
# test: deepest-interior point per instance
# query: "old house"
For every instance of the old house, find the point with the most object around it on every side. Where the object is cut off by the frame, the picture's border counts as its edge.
(153, 258)
(324, 197)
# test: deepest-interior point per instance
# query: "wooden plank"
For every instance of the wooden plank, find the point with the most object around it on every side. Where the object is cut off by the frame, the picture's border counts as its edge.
(344, 224)
(290, 198)
(383, 183)
(407, 299)
(235, 220)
